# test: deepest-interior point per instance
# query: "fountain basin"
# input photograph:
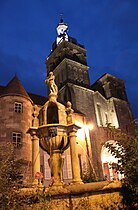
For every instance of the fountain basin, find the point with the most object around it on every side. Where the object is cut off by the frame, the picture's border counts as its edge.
(53, 137)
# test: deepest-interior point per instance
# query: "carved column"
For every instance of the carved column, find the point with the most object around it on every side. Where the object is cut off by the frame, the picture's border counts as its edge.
(35, 146)
(35, 157)
(74, 154)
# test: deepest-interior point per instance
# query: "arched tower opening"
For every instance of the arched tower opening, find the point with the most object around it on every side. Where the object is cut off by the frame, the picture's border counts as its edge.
(67, 95)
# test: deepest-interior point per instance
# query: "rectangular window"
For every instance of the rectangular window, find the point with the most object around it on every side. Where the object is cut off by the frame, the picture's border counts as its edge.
(69, 168)
(65, 175)
(106, 118)
(47, 172)
(16, 139)
(99, 114)
(106, 171)
(18, 107)
(80, 163)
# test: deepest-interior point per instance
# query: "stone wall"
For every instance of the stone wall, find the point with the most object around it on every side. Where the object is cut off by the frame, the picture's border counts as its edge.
(124, 115)
(11, 121)
(92, 196)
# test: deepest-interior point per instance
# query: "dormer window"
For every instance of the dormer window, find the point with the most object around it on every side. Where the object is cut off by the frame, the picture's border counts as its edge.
(18, 107)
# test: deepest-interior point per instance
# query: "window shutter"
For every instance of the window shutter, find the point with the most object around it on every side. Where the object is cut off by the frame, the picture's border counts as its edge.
(69, 169)
(65, 175)
(47, 172)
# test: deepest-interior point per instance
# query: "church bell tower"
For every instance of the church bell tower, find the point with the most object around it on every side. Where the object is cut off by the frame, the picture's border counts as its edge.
(67, 61)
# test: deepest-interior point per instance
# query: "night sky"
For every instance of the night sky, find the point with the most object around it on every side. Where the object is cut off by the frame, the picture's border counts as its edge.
(107, 28)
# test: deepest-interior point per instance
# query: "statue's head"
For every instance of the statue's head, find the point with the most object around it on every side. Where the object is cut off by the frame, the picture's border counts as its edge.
(50, 73)
(69, 104)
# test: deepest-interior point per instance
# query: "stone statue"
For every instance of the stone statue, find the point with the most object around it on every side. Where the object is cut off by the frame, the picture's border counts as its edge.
(50, 81)
(69, 112)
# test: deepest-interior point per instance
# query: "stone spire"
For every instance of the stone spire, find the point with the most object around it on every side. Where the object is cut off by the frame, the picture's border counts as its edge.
(14, 87)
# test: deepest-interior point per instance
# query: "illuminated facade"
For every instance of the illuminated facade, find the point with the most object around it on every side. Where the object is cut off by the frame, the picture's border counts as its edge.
(95, 107)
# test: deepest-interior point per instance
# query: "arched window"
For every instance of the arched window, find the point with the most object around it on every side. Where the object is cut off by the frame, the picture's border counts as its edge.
(109, 163)
(67, 95)
(99, 114)
(52, 114)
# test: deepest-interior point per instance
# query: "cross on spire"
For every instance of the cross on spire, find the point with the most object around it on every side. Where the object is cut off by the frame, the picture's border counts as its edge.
(61, 18)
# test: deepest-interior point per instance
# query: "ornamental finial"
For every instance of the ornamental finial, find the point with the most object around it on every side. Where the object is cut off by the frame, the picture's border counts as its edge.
(61, 18)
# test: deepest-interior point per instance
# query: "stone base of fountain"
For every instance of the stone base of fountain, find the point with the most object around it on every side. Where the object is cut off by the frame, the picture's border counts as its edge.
(98, 195)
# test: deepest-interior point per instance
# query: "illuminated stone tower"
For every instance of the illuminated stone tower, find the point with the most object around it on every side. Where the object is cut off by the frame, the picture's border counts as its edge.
(68, 62)
(103, 103)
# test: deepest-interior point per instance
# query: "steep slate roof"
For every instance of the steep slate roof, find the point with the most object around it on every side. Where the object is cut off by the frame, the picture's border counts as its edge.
(107, 75)
(15, 87)
(2, 88)
(37, 99)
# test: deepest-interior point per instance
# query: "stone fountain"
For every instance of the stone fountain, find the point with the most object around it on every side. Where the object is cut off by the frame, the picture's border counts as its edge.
(53, 129)
(54, 140)
(54, 132)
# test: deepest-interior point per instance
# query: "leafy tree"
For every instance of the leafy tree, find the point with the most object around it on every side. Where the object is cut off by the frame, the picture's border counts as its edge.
(126, 150)
(10, 175)
(88, 174)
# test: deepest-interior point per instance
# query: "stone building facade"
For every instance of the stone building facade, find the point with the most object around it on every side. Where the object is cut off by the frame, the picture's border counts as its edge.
(99, 105)
(15, 117)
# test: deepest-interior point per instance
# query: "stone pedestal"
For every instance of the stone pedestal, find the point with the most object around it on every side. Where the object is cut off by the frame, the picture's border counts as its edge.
(56, 164)
(52, 97)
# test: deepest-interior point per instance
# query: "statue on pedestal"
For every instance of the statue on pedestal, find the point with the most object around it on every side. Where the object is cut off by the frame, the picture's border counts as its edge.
(50, 81)
(69, 112)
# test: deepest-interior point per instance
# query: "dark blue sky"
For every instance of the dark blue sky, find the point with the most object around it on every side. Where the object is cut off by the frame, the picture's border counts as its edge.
(107, 28)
